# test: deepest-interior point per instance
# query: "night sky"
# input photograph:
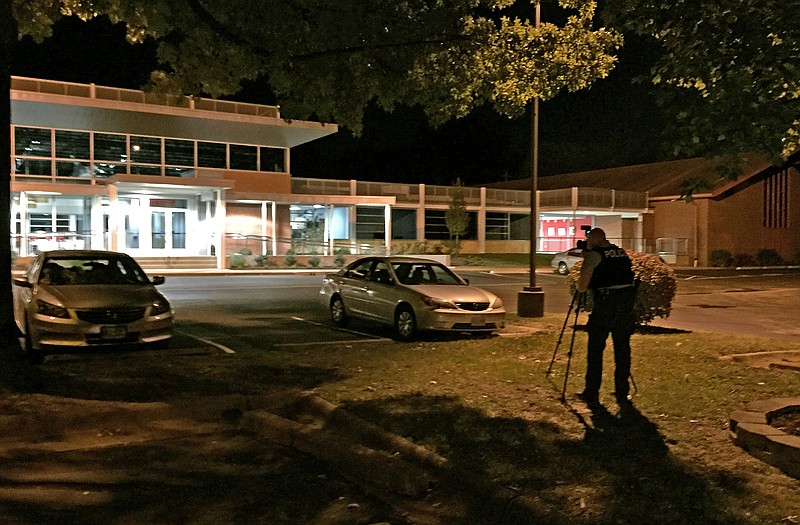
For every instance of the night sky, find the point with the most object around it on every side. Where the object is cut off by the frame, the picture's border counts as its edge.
(616, 122)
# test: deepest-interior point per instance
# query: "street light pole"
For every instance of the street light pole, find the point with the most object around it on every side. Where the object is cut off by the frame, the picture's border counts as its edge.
(530, 301)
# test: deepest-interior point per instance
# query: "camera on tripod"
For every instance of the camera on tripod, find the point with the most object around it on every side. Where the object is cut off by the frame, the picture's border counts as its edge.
(581, 244)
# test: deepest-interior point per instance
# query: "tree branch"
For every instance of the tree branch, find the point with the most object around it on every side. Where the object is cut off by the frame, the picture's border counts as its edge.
(225, 32)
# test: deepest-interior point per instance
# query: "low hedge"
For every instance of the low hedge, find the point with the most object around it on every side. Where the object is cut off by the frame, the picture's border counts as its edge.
(657, 285)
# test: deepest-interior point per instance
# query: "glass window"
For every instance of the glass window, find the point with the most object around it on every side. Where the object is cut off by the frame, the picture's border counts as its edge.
(179, 172)
(146, 149)
(272, 159)
(110, 147)
(360, 270)
(72, 169)
(137, 169)
(179, 152)
(211, 155)
(72, 144)
(244, 157)
(32, 142)
(103, 170)
(32, 167)
(370, 222)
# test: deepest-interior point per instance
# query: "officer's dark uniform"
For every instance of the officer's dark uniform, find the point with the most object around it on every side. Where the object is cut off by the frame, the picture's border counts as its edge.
(613, 292)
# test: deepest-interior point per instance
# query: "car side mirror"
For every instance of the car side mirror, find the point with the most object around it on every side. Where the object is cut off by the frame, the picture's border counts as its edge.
(466, 280)
(158, 279)
(22, 282)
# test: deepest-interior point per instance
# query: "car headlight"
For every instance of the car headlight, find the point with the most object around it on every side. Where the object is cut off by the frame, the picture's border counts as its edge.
(497, 303)
(51, 310)
(438, 303)
(160, 306)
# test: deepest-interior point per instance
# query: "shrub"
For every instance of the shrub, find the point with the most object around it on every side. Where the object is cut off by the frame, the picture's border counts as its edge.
(744, 259)
(768, 257)
(263, 261)
(289, 259)
(238, 261)
(314, 261)
(721, 258)
(339, 260)
(245, 251)
(656, 291)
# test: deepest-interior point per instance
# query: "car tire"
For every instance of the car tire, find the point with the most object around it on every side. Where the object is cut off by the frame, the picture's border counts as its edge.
(34, 356)
(562, 268)
(405, 323)
(338, 312)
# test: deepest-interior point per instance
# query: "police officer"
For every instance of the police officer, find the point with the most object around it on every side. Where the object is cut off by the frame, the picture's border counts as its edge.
(606, 270)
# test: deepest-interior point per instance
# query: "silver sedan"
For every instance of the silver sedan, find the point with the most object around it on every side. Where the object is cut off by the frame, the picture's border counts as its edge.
(564, 261)
(410, 294)
(88, 298)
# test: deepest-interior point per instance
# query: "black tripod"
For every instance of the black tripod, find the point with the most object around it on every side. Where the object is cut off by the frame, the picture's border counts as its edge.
(577, 298)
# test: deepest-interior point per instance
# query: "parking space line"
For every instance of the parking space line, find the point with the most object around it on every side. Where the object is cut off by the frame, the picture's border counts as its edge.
(372, 337)
(208, 342)
(344, 342)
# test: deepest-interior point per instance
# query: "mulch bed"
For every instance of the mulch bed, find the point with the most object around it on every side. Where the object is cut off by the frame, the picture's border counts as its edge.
(788, 422)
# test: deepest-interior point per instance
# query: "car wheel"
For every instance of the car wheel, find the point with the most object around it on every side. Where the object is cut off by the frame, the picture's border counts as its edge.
(405, 323)
(35, 357)
(338, 313)
(562, 268)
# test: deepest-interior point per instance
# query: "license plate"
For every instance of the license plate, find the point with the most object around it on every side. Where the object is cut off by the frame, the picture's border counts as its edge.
(113, 332)
(478, 321)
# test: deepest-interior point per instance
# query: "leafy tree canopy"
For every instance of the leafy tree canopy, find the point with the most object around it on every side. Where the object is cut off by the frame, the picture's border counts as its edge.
(328, 59)
(730, 68)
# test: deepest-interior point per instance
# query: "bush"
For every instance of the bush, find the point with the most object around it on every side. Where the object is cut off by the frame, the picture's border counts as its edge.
(262, 261)
(721, 258)
(656, 291)
(744, 259)
(289, 259)
(245, 251)
(238, 261)
(339, 260)
(314, 261)
(768, 257)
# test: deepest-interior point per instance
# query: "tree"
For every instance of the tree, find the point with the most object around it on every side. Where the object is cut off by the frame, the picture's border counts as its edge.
(328, 59)
(729, 70)
(456, 217)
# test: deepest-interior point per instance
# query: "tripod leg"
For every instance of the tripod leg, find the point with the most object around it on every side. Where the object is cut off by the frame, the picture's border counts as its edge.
(561, 335)
(569, 354)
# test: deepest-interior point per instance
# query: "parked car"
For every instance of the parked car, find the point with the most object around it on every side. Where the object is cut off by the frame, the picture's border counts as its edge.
(564, 261)
(411, 294)
(71, 299)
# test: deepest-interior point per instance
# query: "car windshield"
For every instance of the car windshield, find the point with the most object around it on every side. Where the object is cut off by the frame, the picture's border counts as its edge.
(91, 270)
(424, 273)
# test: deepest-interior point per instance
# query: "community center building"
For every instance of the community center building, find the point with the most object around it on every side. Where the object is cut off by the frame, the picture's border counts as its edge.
(191, 181)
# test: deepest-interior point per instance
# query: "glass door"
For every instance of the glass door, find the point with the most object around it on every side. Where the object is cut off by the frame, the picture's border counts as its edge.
(158, 230)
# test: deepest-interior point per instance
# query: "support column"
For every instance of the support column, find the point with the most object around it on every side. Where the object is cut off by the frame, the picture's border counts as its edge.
(421, 214)
(263, 227)
(96, 241)
(113, 218)
(274, 228)
(387, 228)
(24, 230)
(219, 228)
(482, 223)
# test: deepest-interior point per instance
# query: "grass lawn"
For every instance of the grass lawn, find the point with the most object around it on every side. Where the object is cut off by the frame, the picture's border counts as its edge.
(486, 405)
